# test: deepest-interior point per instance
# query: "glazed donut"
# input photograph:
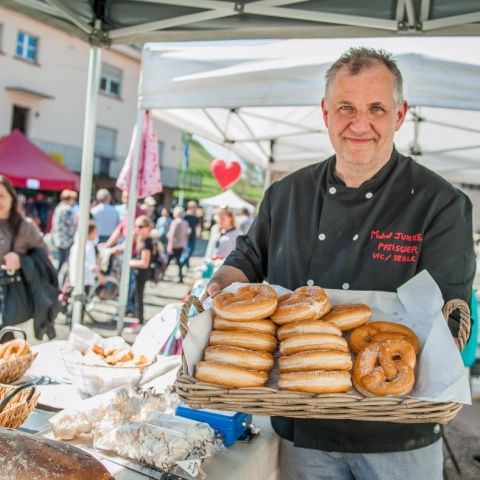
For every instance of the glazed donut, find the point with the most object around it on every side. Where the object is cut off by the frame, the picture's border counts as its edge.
(229, 375)
(240, 357)
(305, 303)
(252, 302)
(347, 317)
(377, 331)
(244, 339)
(316, 382)
(313, 341)
(385, 368)
(261, 326)
(307, 326)
(15, 348)
(315, 360)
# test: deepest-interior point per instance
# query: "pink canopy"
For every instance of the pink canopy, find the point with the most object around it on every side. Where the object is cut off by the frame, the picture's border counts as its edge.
(27, 166)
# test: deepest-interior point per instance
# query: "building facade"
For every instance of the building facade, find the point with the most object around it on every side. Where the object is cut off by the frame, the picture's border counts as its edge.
(43, 76)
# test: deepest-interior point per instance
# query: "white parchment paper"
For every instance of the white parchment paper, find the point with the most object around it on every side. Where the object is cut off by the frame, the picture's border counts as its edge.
(440, 373)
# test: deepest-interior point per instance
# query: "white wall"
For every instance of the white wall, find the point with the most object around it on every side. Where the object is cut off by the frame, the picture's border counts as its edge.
(57, 124)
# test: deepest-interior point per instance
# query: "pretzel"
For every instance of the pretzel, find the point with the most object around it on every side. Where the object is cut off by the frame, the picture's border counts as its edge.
(14, 348)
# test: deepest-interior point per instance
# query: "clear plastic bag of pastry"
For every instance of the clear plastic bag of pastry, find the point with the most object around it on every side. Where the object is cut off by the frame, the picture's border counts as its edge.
(164, 442)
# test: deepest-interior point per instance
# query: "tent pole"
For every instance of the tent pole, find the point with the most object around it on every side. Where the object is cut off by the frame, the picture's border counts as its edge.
(131, 209)
(88, 148)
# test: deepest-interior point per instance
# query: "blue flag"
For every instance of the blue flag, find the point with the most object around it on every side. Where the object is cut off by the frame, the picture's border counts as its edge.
(186, 155)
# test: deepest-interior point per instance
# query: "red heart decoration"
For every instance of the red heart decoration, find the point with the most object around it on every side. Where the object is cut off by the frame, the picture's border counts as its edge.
(225, 173)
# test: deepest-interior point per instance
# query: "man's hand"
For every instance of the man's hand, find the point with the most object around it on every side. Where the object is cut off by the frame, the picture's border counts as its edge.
(224, 277)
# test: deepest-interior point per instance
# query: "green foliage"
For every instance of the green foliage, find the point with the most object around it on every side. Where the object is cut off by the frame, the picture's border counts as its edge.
(197, 182)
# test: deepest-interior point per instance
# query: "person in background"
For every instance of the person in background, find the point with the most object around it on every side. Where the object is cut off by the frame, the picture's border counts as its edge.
(64, 226)
(162, 226)
(121, 208)
(332, 224)
(244, 221)
(22, 248)
(223, 235)
(141, 264)
(193, 222)
(148, 206)
(104, 215)
(200, 213)
(178, 235)
(91, 268)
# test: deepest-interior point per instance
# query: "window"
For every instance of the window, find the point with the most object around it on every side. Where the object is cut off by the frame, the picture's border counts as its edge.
(111, 80)
(105, 144)
(27, 46)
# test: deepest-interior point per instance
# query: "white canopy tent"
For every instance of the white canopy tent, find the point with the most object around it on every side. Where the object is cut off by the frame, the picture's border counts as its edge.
(229, 199)
(106, 22)
(263, 100)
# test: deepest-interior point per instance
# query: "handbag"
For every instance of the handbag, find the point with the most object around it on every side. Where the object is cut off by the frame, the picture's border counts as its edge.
(16, 303)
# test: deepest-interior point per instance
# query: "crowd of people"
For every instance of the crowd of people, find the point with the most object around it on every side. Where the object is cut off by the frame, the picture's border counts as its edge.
(160, 236)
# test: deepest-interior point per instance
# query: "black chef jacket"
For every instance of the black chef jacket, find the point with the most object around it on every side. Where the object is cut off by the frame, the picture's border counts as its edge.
(313, 230)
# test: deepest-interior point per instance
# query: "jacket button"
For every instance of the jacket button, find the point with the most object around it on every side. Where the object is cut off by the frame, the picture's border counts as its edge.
(369, 195)
(332, 190)
(355, 237)
(436, 428)
(345, 286)
(322, 237)
(310, 283)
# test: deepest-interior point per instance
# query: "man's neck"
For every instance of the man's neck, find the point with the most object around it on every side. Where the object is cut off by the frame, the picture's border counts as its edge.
(355, 175)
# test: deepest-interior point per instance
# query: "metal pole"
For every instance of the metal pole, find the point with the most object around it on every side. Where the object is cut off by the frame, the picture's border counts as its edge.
(86, 177)
(131, 209)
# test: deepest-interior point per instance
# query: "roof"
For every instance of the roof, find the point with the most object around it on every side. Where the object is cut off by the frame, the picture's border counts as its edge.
(27, 166)
(136, 21)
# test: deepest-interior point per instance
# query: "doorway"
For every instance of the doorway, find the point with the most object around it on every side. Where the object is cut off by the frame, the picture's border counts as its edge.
(20, 119)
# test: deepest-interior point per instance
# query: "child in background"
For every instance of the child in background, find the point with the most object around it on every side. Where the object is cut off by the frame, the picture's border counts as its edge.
(90, 258)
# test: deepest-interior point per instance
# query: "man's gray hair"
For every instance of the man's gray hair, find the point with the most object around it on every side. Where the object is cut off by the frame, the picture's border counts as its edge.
(103, 196)
(357, 59)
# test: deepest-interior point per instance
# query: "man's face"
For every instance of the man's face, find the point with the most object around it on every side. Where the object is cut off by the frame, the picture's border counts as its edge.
(362, 116)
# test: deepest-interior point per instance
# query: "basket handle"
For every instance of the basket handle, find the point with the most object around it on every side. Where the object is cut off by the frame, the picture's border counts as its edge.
(465, 320)
(13, 330)
(192, 301)
(10, 395)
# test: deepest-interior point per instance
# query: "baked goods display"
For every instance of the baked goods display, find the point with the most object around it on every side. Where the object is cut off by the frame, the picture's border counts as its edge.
(253, 302)
(14, 348)
(378, 331)
(27, 457)
(348, 317)
(385, 368)
(321, 347)
(113, 357)
(241, 345)
(141, 426)
(305, 303)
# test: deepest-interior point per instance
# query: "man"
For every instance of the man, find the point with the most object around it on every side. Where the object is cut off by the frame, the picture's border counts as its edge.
(64, 226)
(367, 218)
(105, 215)
(193, 222)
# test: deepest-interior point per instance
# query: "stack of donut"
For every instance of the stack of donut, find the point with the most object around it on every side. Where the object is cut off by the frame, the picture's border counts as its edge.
(385, 358)
(314, 357)
(14, 348)
(242, 342)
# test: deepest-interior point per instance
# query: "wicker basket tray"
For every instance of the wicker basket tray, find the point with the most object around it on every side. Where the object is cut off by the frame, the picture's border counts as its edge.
(12, 369)
(16, 404)
(272, 402)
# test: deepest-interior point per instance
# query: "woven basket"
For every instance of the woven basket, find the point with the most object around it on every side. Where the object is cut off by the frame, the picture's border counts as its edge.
(16, 404)
(271, 402)
(14, 368)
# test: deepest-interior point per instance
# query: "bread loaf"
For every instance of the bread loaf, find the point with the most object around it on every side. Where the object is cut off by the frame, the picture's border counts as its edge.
(26, 457)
